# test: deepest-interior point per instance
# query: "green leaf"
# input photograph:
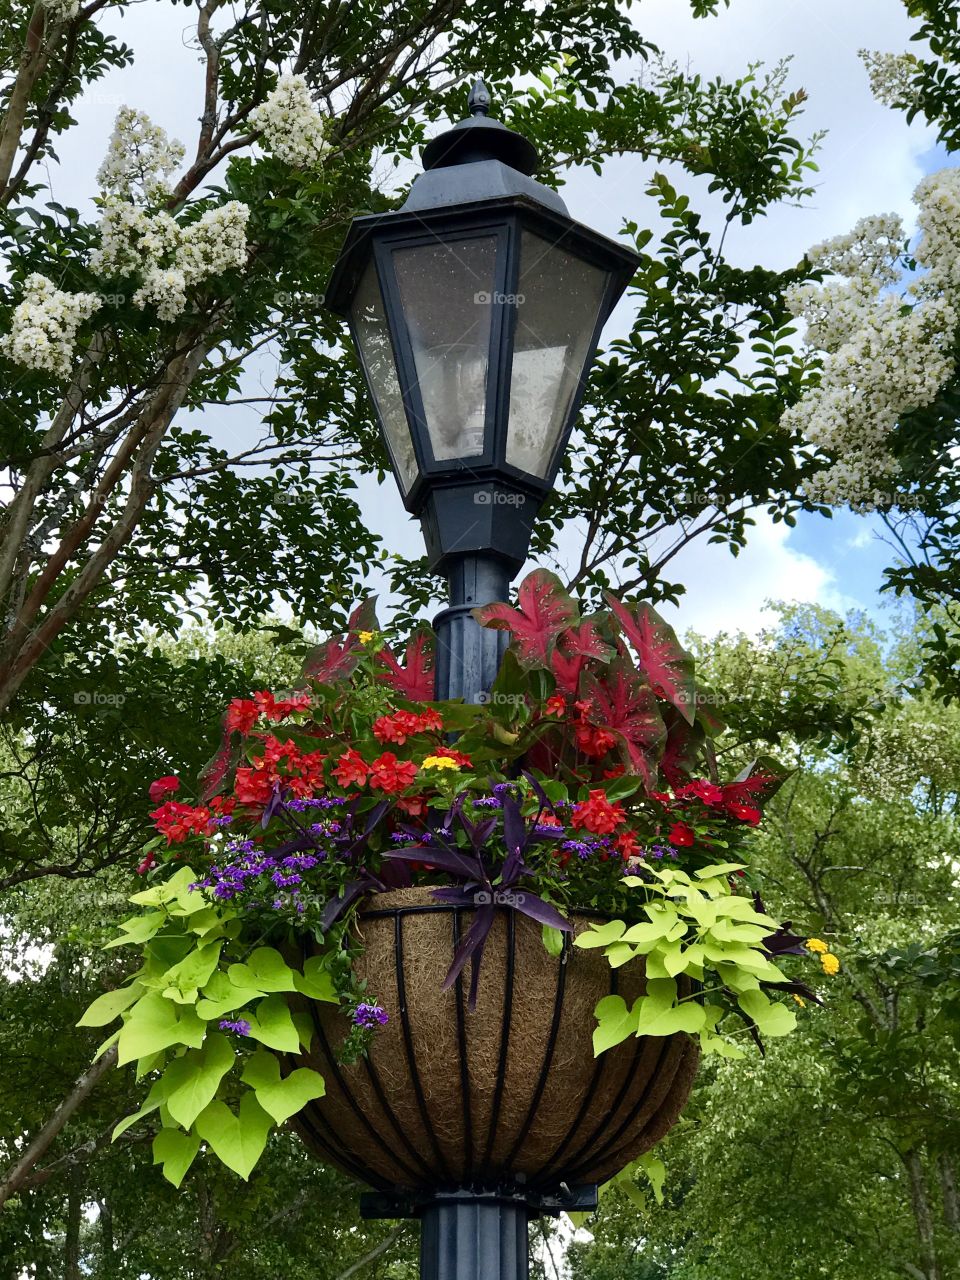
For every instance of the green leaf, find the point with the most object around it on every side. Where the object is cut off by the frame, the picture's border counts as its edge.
(722, 869)
(138, 929)
(238, 1140)
(552, 940)
(772, 1018)
(316, 981)
(281, 1098)
(615, 1022)
(656, 1172)
(110, 1005)
(265, 969)
(600, 935)
(176, 1151)
(193, 1080)
(195, 969)
(154, 1023)
(273, 1026)
(221, 997)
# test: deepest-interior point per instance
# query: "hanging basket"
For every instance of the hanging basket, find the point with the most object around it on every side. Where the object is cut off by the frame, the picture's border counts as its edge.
(508, 1093)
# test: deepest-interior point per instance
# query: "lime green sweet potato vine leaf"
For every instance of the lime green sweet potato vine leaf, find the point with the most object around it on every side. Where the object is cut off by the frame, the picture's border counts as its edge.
(206, 1087)
(698, 928)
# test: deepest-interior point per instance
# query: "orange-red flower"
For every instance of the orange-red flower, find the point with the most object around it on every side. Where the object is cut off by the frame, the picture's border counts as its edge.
(681, 835)
(352, 769)
(242, 715)
(597, 814)
(389, 774)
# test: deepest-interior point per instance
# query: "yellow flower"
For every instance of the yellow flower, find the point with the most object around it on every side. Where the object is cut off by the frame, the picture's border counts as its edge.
(830, 963)
(439, 762)
(365, 636)
(818, 945)
(800, 1000)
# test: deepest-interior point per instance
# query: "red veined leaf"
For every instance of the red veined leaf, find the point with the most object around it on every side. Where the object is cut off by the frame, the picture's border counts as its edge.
(621, 700)
(337, 658)
(682, 749)
(332, 661)
(413, 680)
(574, 647)
(219, 767)
(364, 616)
(667, 666)
(759, 781)
(545, 611)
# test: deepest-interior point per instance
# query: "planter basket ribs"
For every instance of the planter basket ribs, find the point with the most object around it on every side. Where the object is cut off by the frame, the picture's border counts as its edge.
(508, 1094)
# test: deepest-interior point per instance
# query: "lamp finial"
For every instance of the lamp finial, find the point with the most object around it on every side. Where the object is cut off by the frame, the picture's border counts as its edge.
(478, 103)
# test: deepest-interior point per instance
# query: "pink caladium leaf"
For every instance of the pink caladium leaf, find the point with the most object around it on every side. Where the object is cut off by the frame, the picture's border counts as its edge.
(545, 611)
(682, 750)
(414, 679)
(220, 767)
(575, 647)
(337, 658)
(667, 665)
(621, 701)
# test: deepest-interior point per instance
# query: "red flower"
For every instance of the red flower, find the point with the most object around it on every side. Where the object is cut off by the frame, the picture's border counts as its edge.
(745, 812)
(616, 772)
(597, 814)
(628, 843)
(351, 769)
(389, 774)
(253, 786)
(549, 820)
(457, 757)
(178, 821)
(593, 741)
(706, 791)
(555, 705)
(404, 724)
(278, 709)
(147, 863)
(415, 806)
(661, 796)
(242, 715)
(680, 834)
(163, 787)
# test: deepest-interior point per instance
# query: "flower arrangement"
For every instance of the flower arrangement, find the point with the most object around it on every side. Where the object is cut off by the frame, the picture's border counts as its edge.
(577, 784)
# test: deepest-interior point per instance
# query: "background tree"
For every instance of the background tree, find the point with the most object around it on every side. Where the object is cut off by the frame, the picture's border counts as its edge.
(836, 1153)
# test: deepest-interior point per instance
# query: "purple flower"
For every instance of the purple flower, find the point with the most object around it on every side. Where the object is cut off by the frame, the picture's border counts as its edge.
(369, 1015)
(241, 1026)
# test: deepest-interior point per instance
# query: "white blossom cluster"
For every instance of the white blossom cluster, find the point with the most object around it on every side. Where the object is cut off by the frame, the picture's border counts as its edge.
(44, 329)
(62, 10)
(891, 77)
(205, 248)
(149, 243)
(139, 159)
(885, 353)
(291, 125)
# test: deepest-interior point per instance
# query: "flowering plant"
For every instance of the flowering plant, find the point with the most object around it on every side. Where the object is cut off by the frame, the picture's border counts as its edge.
(573, 785)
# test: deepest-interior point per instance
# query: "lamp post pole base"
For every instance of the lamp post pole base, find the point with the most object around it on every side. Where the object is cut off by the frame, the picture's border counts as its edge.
(475, 1235)
(468, 655)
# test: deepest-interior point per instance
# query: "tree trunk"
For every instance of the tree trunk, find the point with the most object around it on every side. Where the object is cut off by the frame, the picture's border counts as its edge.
(921, 1211)
(71, 1242)
(41, 1144)
(948, 1186)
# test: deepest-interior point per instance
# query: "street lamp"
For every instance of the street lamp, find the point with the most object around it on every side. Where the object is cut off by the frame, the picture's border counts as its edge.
(476, 309)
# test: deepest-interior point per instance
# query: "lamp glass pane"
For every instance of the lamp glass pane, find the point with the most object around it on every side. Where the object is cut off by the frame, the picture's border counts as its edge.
(376, 355)
(446, 291)
(558, 301)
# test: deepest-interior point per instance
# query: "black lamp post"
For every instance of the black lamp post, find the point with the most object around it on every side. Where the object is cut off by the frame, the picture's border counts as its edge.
(476, 309)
